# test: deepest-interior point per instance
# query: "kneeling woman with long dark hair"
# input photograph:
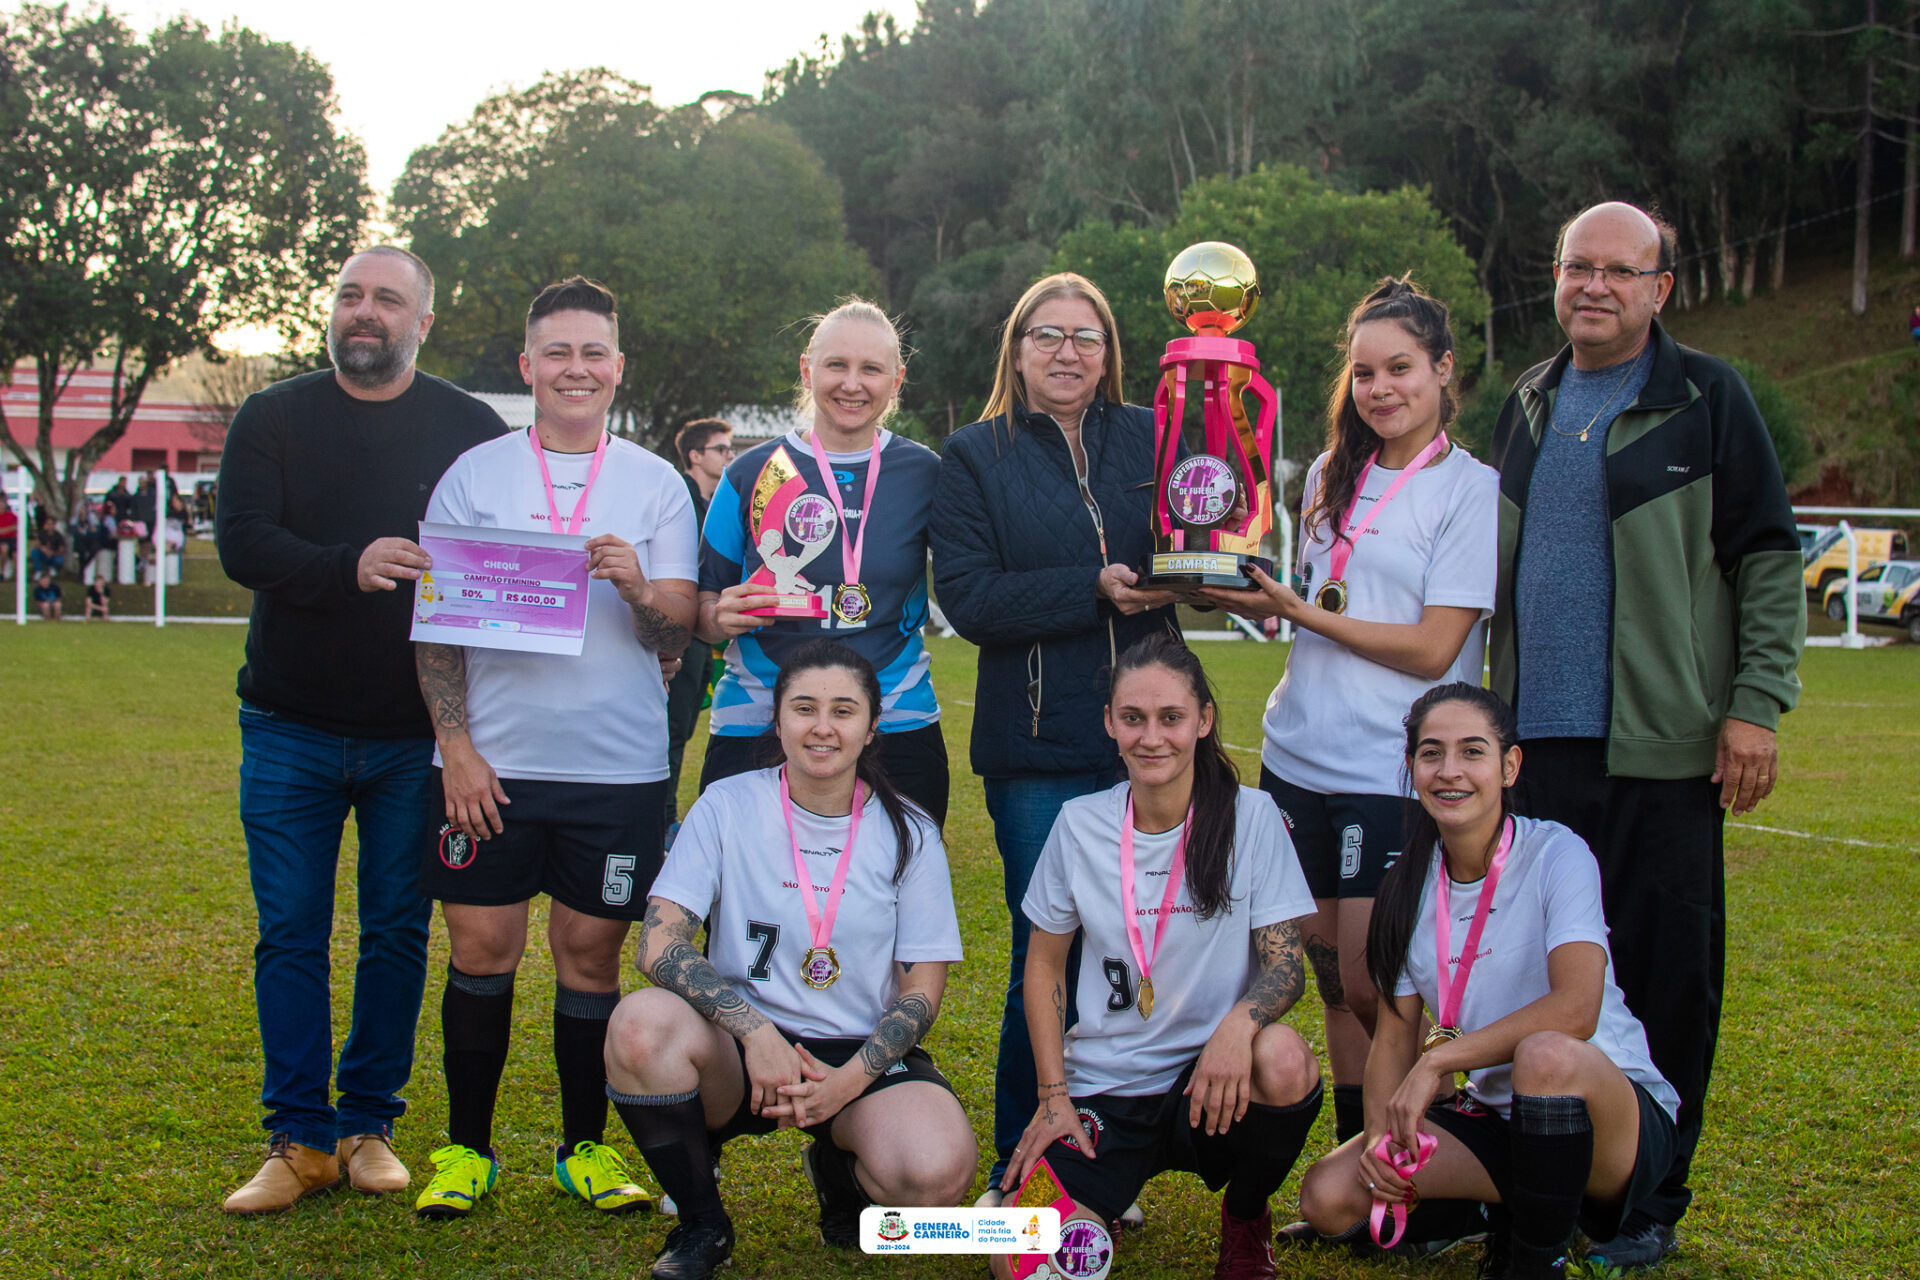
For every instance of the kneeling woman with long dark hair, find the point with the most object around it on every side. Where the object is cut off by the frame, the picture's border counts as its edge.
(1187, 890)
(1564, 1119)
(830, 928)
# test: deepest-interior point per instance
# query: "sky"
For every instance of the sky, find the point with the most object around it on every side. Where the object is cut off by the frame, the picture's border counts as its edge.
(405, 70)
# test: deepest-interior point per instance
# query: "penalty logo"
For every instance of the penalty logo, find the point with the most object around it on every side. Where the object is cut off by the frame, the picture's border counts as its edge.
(456, 848)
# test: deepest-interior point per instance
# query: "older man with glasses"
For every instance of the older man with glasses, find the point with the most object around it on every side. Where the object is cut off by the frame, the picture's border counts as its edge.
(1649, 623)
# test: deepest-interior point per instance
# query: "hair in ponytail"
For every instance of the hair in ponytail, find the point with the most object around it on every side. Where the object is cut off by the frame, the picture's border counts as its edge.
(1216, 781)
(1397, 901)
(1350, 441)
(816, 655)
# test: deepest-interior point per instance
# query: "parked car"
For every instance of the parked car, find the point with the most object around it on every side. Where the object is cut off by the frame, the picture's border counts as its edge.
(1887, 594)
(1826, 559)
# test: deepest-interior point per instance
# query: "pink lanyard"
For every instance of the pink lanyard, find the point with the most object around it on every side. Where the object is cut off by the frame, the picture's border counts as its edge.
(1453, 991)
(546, 478)
(1174, 878)
(820, 924)
(1342, 549)
(1406, 1164)
(851, 548)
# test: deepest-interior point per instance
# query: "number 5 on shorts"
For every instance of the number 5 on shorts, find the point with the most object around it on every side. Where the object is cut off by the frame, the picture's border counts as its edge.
(616, 889)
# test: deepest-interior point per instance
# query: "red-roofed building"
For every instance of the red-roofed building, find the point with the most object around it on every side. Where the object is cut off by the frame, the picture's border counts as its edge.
(180, 435)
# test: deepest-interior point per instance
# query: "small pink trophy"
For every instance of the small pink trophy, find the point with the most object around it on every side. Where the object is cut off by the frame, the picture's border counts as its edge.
(781, 513)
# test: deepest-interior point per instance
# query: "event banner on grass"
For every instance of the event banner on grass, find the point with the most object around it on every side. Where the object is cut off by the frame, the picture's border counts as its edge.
(502, 589)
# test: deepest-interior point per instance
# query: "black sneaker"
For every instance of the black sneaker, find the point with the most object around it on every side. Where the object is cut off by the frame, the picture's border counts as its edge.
(839, 1206)
(694, 1251)
(1642, 1242)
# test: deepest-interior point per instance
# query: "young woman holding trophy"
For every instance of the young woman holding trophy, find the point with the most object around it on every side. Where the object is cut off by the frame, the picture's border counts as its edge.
(830, 926)
(1396, 578)
(822, 533)
(1493, 924)
(1186, 889)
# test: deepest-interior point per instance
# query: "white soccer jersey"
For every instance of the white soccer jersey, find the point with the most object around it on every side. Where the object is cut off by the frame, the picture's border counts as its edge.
(601, 716)
(732, 863)
(1203, 967)
(1334, 722)
(1548, 895)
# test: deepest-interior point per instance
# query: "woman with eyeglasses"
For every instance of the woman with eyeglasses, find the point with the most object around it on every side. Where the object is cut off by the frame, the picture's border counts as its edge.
(835, 514)
(1040, 513)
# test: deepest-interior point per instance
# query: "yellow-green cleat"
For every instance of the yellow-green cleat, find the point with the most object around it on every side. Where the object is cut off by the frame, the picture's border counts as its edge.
(598, 1175)
(461, 1176)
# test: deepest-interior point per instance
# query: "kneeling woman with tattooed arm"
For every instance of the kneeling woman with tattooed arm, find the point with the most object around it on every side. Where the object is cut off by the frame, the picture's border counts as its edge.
(1188, 891)
(831, 926)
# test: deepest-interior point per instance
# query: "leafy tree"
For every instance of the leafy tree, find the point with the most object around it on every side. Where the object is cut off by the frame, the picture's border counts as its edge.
(1318, 251)
(715, 228)
(1782, 415)
(154, 192)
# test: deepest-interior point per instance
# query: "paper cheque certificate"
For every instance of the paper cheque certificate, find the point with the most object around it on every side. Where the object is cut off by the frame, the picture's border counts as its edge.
(502, 589)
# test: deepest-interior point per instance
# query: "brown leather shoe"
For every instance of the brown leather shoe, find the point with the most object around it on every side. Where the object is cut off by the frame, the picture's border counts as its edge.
(371, 1166)
(291, 1174)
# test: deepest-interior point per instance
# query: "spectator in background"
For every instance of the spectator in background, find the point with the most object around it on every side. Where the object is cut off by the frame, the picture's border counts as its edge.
(1913, 325)
(9, 534)
(705, 447)
(49, 552)
(46, 595)
(119, 503)
(99, 596)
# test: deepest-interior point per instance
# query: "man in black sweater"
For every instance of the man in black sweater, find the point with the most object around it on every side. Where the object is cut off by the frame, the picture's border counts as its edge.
(322, 482)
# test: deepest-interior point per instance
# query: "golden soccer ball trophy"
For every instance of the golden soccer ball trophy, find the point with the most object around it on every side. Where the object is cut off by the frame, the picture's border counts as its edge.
(1212, 288)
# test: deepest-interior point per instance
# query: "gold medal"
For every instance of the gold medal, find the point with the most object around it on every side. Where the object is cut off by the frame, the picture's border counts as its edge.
(1333, 596)
(1437, 1037)
(819, 968)
(851, 603)
(1145, 1003)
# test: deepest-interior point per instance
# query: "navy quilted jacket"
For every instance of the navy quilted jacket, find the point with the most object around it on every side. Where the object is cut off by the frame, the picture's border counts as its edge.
(1015, 558)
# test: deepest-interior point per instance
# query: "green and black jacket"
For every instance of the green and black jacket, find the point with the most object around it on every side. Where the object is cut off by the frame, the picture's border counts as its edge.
(1709, 609)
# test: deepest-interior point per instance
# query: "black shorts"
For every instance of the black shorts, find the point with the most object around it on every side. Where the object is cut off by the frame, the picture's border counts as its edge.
(1485, 1135)
(1345, 843)
(916, 1065)
(594, 846)
(915, 761)
(1135, 1138)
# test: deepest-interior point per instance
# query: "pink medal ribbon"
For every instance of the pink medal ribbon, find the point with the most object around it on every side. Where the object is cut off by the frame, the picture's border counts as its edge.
(850, 602)
(1453, 990)
(1333, 593)
(1141, 956)
(546, 478)
(820, 967)
(1406, 1164)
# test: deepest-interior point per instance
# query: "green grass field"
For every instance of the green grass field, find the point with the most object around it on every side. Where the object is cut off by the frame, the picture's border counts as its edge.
(130, 1062)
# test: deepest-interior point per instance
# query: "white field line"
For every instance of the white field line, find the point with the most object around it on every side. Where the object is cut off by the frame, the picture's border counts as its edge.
(1811, 835)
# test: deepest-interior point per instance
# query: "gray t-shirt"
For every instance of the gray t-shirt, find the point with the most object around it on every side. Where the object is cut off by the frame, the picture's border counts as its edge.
(1563, 584)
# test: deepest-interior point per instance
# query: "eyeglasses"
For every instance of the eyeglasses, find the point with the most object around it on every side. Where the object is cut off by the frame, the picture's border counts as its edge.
(715, 448)
(1581, 272)
(1047, 338)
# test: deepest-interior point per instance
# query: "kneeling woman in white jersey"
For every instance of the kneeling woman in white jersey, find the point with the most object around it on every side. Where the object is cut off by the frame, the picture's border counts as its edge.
(1188, 892)
(830, 929)
(1564, 1119)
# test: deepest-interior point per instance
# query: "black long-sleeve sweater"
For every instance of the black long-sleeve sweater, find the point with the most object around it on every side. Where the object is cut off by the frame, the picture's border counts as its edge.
(309, 477)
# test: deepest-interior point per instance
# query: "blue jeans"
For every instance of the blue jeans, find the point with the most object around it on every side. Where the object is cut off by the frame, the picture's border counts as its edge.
(296, 787)
(1023, 810)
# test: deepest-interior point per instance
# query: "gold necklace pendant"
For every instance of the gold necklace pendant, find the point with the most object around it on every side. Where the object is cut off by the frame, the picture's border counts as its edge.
(1145, 1003)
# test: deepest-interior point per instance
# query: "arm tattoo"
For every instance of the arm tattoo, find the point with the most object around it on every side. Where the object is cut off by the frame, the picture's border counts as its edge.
(1060, 1007)
(1325, 958)
(1050, 1091)
(681, 969)
(901, 1027)
(442, 669)
(1283, 972)
(659, 632)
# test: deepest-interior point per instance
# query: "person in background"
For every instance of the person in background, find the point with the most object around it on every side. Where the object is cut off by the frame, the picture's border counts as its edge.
(1042, 510)
(704, 446)
(326, 478)
(99, 597)
(47, 596)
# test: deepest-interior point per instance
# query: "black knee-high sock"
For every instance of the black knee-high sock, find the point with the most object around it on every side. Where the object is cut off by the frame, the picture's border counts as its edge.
(579, 1056)
(476, 1023)
(1552, 1158)
(1267, 1142)
(671, 1132)
(1349, 1113)
(834, 1164)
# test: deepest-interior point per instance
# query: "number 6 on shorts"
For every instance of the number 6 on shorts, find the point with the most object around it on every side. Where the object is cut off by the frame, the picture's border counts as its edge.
(616, 888)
